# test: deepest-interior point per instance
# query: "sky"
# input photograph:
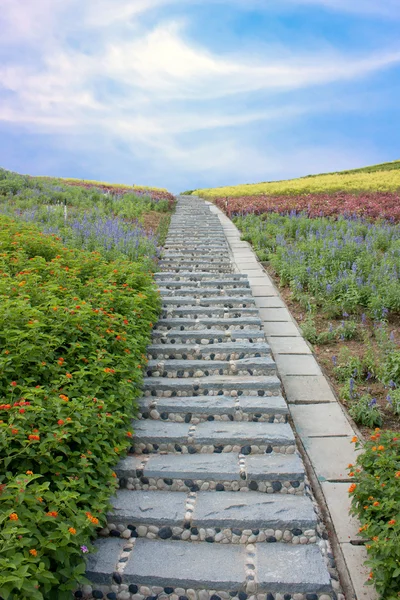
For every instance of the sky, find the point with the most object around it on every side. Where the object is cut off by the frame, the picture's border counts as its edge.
(185, 94)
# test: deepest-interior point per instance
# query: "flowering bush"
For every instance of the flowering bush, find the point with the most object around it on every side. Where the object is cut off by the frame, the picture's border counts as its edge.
(73, 332)
(375, 497)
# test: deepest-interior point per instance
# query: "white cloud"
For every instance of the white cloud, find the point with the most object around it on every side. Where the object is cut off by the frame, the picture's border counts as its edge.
(158, 86)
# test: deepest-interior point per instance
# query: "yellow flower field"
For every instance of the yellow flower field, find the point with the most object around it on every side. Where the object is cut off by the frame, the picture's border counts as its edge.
(379, 180)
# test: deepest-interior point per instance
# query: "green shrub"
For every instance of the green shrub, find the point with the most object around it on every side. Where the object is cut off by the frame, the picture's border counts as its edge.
(376, 502)
(73, 332)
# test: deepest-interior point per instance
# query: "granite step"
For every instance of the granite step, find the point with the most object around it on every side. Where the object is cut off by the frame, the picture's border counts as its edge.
(214, 385)
(213, 436)
(207, 336)
(180, 368)
(191, 266)
(217, 301)
(271, 473)
(195, 312)
(194, 292)
(166, 275)
(215, 280)
(201, 323)
(194, 409)
(213, 518)
(225, 351)
(187, 569)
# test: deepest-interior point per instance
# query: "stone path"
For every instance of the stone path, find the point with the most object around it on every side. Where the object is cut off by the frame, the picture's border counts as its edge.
(213, 501)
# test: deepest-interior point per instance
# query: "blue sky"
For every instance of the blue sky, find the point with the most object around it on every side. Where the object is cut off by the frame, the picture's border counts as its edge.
(185, 93)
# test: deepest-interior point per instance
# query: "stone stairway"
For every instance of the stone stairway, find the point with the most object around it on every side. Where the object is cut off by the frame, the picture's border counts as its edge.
(213, 501)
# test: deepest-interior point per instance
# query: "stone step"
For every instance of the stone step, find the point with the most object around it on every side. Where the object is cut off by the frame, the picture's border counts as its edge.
(191, 570)
(271, 473)
(214, 385)
(207, 336)
(195, 293)
(213, 436)
(195, 312)
(213, 280)
(217, 301)
(190, 266)
(214, 518)
(180, 368)
(194, 409)
(215, 246)
(165, 275)
(227, 351)
(201, 323)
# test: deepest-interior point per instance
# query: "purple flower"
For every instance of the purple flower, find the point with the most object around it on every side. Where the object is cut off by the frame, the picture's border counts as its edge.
(84, 549)
(372, 403)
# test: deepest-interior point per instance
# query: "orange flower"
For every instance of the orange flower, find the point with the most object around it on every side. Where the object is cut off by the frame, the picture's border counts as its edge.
(29, 472)
(397, 474)
(34, 437)
(375, 538)
(376, 504)
(33, 552)
(13, 517)
(129, 434)
(351, 474)
(14, 383)
(354, 439)
(64, 397)
(68, 375)
(392, 522)
(371, 575)
(60, 422)
(366, 507)
(52, 513)
(352, 488)
(350, 466)
(114, 474)
(373, 448)
(14, 431)
(381, 447)
(72, 530)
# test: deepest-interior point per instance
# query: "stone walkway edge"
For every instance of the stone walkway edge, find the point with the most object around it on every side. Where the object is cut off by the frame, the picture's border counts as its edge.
(323, 428)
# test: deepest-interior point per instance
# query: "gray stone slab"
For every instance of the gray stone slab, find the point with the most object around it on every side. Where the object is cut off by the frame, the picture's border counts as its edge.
(269, 301)
(338, 501)
(153, 508)
(275, 314)
(297, 364)
(355, 556)
(292, 568)
(253, 511)
(101, 566)
(195, 404)
(320, 420)
(280, 328)
(127, 466)
(263, 404)
(180, 564)
(260, 290)
(215, 432)
(274, 467)
(160, 431)
(330, 456)
(301, 389)
(212, 467)
(289, 345)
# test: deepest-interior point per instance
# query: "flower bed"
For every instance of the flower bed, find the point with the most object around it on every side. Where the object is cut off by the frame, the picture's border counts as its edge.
(376, 502)
(73, 332)
(371, 205)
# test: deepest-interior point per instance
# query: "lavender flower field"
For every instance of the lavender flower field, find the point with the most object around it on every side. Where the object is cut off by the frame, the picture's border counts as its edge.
(103, 219)
(341, 279)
